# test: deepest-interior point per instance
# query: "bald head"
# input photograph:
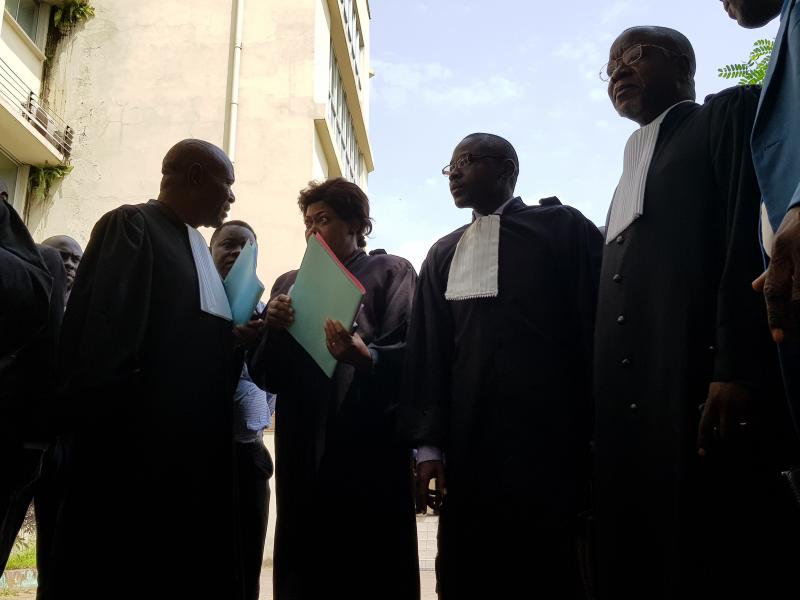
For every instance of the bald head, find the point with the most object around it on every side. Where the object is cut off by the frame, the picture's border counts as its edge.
(71, 254)
(196, 182)
(668, 38)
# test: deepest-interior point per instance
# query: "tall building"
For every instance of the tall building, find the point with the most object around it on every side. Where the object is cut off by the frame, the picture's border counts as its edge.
(281, 85)
(30, 133)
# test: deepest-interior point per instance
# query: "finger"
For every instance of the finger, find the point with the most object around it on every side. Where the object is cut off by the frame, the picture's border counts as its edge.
(704, 431)
(777, 293)
(758, 284)
(725, 423)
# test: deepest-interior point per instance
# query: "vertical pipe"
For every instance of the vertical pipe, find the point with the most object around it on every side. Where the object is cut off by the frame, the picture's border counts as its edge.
(232, 116)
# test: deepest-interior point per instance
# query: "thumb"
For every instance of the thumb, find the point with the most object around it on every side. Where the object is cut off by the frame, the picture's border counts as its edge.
(758, 284)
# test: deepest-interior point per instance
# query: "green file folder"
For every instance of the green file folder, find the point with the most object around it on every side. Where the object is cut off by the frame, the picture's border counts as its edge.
(324, 289)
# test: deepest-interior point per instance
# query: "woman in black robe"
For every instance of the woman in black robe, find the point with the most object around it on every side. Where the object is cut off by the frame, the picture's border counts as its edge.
(344, 492)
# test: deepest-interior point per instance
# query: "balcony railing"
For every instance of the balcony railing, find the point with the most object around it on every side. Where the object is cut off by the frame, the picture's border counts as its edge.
(54, 129)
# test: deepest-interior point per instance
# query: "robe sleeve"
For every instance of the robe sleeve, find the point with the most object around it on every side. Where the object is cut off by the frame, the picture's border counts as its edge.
(389, 348)
(582, 279)
(23, 304)
(425, 403)
(741, 317)
(106, 321)
(268, 364)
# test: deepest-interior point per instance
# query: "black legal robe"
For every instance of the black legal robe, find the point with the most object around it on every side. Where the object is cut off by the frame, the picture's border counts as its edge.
(345, 524)
(502, 386)
(676, 312)
(149, 381)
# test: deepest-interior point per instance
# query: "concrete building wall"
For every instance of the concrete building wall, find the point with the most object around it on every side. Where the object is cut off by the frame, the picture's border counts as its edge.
(136, 78)
(140, 76)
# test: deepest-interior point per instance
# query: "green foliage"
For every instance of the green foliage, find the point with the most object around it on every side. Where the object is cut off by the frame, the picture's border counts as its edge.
(71, 13)
(42, 179)
(754, 70)
(23, 556)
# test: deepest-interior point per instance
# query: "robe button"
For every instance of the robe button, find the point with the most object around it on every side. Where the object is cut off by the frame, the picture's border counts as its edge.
(617, 278)
(621, 319)
(712, 349)
(620, 239)
(625, 362)
(634, 406)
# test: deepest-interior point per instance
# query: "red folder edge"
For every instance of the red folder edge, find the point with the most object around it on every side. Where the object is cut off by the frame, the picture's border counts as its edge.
(352, 277)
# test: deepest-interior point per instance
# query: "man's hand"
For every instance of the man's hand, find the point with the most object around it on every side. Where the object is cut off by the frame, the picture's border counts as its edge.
(280, 313)
(781, 281)
(724, 415)
(347, 348)
(427, 470)
(249, 334)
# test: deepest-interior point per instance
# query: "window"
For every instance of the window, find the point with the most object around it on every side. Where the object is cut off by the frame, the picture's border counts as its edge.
(26, 14)
(344, 132)
(355, 42)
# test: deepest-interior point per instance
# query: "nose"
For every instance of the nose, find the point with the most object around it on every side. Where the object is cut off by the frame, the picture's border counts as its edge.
(455, 173)
(231, 197)
(621, 71)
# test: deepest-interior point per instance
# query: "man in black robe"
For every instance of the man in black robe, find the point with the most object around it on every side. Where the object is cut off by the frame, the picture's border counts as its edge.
(150, 375)
(690, 429)
(34, 277)
(498, 376)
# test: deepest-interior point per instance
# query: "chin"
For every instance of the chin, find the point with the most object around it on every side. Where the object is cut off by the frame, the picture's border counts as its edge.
(461, 202)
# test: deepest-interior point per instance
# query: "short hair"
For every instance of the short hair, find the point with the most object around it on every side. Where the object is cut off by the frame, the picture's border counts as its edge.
(230, 223)
(498, 146)
(670, 37)
(347, 200)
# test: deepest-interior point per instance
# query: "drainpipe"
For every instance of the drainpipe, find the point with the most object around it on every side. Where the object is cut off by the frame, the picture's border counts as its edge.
(232, 116)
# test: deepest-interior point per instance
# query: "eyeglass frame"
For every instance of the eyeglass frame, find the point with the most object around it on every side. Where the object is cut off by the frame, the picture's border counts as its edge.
(469, 157)
(605, 75)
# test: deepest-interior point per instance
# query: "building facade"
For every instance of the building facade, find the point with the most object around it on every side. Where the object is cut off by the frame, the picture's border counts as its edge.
(281, 85)
(30, 133)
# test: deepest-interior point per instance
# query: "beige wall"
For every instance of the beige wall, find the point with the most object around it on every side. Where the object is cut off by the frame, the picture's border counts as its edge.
(137, 78)
(143, 75)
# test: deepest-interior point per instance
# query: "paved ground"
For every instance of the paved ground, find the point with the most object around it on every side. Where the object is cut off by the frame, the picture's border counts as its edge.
(427, 579)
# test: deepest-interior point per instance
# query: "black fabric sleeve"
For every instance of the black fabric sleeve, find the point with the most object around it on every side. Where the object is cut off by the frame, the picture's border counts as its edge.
(425, 402)
(105, 324)
(741, 317)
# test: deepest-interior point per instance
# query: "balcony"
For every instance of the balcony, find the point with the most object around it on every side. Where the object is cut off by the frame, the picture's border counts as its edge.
(32, 133)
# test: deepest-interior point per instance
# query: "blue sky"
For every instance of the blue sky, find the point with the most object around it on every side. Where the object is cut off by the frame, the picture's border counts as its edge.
(526, 70)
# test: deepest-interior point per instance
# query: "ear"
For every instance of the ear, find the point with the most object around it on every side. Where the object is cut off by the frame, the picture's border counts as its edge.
(684, 67)
(195, 174)
(508, 169)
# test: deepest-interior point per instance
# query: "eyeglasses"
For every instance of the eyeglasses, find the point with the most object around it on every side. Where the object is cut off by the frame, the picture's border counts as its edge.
(629, 57)
(465, 159)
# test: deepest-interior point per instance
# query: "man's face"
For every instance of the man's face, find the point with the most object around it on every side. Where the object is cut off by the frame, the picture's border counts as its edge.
(71, 255)
(473, 184)
(752, 13)
(216, 195)
(228, 245)
(643, 90)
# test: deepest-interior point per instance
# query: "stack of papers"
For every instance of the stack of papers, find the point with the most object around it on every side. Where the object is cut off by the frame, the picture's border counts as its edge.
(324, 289)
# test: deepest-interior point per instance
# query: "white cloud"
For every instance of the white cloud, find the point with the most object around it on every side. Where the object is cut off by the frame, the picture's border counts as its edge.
(615, 11)
(598, 94)
(402, 84)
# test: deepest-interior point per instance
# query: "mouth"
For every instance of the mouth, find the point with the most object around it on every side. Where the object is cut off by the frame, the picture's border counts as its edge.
(624, 89)
(455, 189)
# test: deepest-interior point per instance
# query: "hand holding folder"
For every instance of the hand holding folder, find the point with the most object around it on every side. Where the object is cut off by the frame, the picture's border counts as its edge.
(324, 290)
